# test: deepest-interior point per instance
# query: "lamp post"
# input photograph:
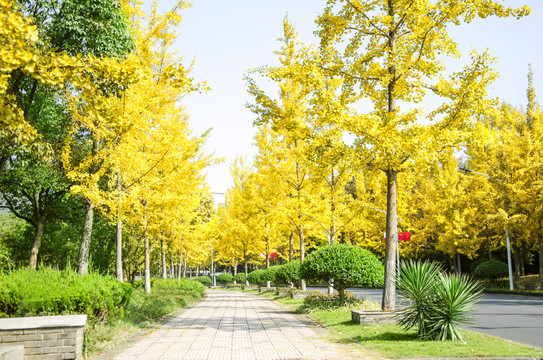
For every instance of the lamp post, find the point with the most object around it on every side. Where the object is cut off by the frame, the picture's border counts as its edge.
(509, 265)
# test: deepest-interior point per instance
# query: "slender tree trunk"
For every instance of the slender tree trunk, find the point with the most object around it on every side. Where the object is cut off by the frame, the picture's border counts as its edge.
(235, 269)
(267, 260)
(302, 252)
(331, 240)
(147, 257)
(163, 255)
(291, 247)
(516, 254)
(523, 252)
(147, 265)
(245, 266)
(84, 248)
(452, 262)
(459, 262)
(119, 248)
(541, 259)
(119, 245)
(389, 288)
(40, 226)
(489, 245)
(185, 266)
(180, 266)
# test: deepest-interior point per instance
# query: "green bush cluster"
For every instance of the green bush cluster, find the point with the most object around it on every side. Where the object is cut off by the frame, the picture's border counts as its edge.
(492, 270)
(239, 277)
(27, 292)
(289, 273)
(205, 280)
(225, 278)
(439, 303)
(343, 266)
(256, 277)
(270, 274)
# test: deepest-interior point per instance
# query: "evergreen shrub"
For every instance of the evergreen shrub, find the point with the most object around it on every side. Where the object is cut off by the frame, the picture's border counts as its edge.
(270, 274)
(225, 278)
(347, 265)
(289, 273)
(256, 277)
(27, 292)
(239, 277)
(205, 280)
(491, 270)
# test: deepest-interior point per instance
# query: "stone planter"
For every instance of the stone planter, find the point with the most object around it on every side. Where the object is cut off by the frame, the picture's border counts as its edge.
(265, 289)
(45, 337)
(373, 317)
(299, 295)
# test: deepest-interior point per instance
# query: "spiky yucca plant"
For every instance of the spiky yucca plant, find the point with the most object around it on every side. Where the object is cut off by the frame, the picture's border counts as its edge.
(439, 302)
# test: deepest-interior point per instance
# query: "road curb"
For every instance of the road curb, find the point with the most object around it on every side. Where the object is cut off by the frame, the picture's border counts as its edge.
(506, 292)
(477, 358)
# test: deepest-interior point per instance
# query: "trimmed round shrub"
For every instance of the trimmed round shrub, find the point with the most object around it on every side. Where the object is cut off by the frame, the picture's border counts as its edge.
(256, 277)
(206, 280)
(239, 277)
(289, 273)
(270, 274)
(343, 266)
(225, 278)
(492, 270)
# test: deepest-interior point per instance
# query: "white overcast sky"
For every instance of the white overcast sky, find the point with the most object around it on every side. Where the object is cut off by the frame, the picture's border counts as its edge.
(229, 37)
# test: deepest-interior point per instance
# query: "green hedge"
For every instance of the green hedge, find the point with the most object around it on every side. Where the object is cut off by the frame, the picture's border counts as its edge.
(492, 270)
(27, 292)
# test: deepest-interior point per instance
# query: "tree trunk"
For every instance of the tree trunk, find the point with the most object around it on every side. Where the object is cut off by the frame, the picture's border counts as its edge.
(516, 255)
(235, 270)
(245, 266)
(119, 247)
(267, 263)
(147, 265)
(341, 293)
(119, 255)
(147, 256)
(489, 246)
(541, 259)
(389, 287)
(83, 262)
(185, 266)
(459, 264)
(163, 255)
(302, 253)
(33, 261)
(291, 247)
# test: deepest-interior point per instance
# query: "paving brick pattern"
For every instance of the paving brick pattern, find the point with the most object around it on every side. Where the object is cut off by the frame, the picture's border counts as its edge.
(232, 325)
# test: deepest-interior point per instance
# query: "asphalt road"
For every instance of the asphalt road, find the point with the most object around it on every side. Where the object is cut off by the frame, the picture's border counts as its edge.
(513, 317)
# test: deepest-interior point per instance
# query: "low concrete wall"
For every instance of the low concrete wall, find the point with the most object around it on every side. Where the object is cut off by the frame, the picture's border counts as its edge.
(45, 337)
(12, 352)
(373, 317)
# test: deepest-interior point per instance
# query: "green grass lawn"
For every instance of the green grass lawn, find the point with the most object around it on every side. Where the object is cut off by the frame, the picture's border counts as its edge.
(392, 341)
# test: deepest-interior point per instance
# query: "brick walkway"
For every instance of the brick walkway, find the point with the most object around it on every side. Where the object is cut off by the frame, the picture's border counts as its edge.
(235, 325)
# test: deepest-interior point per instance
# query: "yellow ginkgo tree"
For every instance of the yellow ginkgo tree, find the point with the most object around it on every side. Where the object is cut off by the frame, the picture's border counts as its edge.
(390, 53)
